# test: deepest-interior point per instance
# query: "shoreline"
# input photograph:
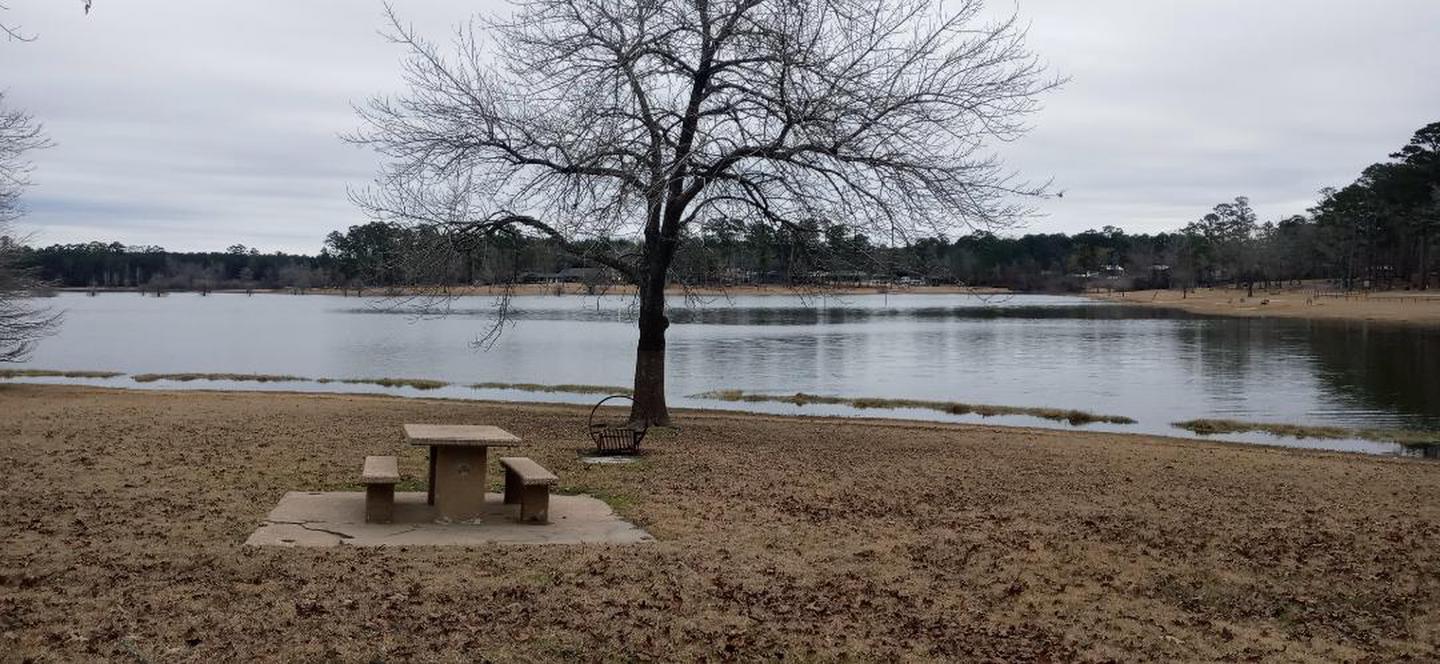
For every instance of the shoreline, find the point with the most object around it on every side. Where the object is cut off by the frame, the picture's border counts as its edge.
(1365, 441)
(575, 289)
(1397, 307)
(774, 535)
(713, 414)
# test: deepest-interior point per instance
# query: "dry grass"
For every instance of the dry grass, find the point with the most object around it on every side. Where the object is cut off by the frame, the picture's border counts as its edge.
(52, 373)
(417, 383)
(271, 378)
(1395, 307)
(1074, 417)
(1407, 437)
(811, 539)
(239, 377)
(564, 387)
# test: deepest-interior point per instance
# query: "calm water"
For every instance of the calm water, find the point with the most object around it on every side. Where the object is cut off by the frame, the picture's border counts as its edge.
(1157, 367)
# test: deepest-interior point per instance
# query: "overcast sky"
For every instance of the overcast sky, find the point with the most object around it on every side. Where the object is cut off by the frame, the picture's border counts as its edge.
(199, 124)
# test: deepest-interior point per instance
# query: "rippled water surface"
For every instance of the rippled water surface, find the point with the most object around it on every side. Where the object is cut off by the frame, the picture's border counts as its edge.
(1155, 366)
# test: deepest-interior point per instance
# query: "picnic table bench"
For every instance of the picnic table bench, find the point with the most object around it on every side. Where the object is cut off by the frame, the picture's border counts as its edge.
(527, 483)
(379, 475)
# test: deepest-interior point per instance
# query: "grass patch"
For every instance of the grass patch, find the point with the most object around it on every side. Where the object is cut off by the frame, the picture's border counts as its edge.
(417, 383)
(564, 387)
(51, 373)
(410, 484)
(248, 378)
(1074, 417)
(659, 432)
(622, 503)
(1407, 437)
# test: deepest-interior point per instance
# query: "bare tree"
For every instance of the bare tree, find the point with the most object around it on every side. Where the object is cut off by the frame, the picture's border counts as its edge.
(16, 33)
(586, 120)
(21, 323)
(13, 32)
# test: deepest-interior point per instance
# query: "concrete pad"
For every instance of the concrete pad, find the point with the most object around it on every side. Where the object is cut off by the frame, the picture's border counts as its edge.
(607, 460)
(305, 518)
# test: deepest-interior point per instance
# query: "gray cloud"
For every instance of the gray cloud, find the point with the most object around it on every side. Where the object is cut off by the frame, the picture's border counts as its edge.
(1176, 106)
(195, 125)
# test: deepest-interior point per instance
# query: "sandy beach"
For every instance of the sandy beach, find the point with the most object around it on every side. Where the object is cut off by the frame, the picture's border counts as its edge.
(123, 514)
(1414, 307)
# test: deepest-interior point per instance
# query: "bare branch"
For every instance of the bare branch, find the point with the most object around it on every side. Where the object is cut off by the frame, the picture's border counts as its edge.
(22, 323)
(16, 33)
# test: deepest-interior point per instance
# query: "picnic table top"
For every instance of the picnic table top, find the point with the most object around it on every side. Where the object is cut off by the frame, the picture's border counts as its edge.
(473, 435)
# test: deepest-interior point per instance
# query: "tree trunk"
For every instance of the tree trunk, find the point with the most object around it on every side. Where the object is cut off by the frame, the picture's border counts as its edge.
(650, 406)
(1424, 260)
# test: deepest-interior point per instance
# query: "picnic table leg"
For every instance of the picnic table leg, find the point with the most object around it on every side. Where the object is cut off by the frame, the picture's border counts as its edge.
(460, 483)
(430, 483)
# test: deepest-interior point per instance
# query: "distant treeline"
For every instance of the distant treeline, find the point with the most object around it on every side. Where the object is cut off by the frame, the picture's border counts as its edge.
(114, 265)
(1378, 232)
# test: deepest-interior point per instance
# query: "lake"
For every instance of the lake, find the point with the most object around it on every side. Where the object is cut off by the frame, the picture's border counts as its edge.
(1155, 366)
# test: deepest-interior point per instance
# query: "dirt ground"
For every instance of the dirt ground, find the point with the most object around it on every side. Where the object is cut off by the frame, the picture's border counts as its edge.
(122, 515)
(1396, 307)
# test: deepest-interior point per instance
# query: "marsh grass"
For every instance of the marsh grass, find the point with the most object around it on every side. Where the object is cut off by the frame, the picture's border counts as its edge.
(417, 383)
(51, 373)
(564, 387)
(1074, 417)
(248, 378)
(1407, 437)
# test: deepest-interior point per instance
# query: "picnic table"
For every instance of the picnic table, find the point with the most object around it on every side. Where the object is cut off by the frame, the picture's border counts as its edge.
(457, 464)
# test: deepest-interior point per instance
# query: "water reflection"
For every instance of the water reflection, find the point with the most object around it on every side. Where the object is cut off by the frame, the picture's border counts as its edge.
(743, 311)
(1383, 367)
